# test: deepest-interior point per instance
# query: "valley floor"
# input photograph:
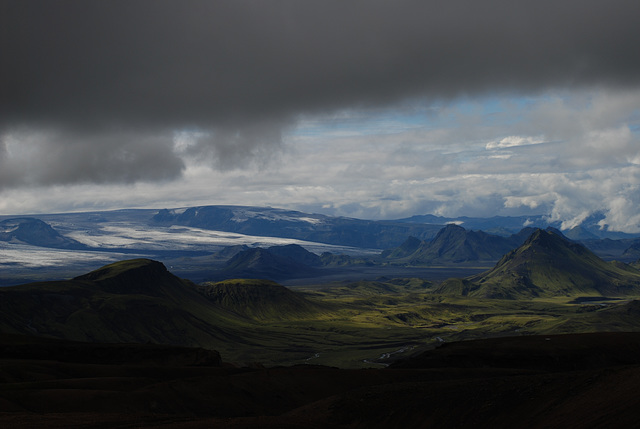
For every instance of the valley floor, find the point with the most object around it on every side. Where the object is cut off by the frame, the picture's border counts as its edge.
(371, 324)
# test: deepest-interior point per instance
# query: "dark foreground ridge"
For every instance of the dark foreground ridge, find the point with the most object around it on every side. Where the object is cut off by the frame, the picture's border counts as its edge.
(577, 381)
(29, 348)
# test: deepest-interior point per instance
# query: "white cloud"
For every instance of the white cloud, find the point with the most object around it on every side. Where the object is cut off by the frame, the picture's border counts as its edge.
(511, 141)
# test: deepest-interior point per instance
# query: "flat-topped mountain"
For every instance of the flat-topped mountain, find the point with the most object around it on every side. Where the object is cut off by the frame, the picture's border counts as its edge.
(137, 276)
(548, 264)
(258, 299)
(28, 230)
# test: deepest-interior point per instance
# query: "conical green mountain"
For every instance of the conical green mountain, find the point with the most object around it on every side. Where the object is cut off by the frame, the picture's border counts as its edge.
(549, 265)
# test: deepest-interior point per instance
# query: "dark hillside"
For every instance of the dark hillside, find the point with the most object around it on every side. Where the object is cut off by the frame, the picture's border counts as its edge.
(135, 301)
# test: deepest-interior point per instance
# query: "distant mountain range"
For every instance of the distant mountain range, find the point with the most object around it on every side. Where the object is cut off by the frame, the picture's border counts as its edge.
(453, 245)
(271, 222)
(593, 227)
(222, 242)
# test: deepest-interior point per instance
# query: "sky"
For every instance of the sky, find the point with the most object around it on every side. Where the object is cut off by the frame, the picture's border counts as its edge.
(366, 108)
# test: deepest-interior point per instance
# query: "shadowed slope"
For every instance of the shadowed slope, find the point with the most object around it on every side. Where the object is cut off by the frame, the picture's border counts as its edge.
(129, 301)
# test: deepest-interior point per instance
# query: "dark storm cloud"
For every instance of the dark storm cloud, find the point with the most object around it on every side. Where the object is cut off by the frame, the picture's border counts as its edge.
(66, 157)
(228, 148)
(221, 66)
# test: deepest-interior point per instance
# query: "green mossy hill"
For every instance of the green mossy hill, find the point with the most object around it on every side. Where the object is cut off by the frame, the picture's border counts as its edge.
(128, 267)
(259, 299)
(135, 301)
(382, 286)
(600, 315)
(548, 265)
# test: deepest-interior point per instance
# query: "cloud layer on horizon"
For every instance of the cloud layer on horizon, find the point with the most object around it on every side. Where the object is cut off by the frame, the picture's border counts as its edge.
(247, 101)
